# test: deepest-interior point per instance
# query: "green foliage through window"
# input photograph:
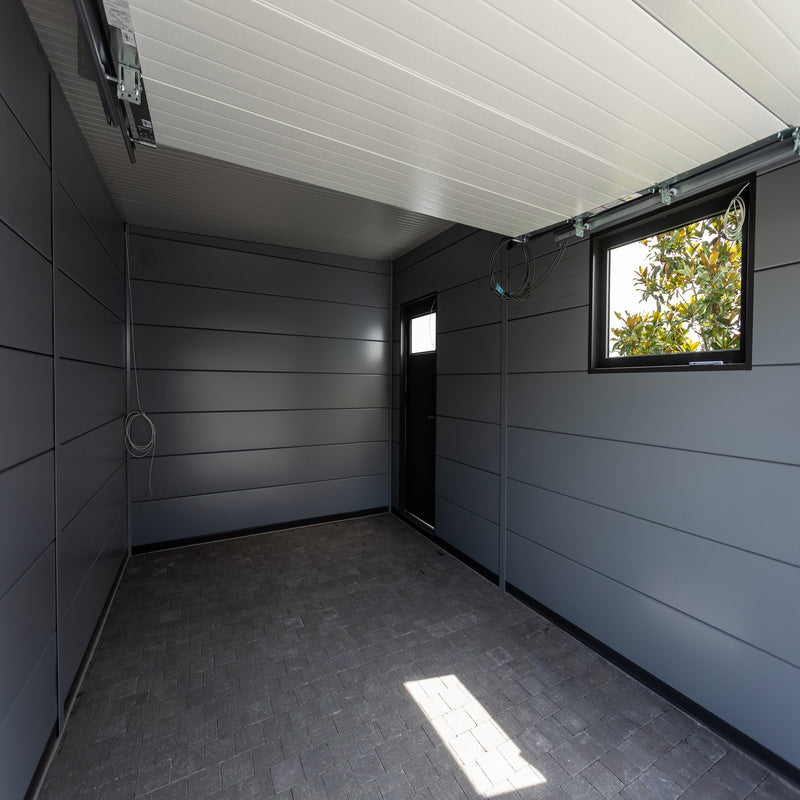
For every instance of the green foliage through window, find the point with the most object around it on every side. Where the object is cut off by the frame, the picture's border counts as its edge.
(691, 284)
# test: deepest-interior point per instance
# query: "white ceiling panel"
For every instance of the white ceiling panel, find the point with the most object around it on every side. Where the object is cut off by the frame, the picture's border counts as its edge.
(509, 115)
(755, 43)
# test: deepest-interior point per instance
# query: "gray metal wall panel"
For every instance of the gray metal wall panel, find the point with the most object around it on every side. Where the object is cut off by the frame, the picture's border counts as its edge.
(26, 497)
(468, 351)
(463, 261)
(75, 170)
(567, 287)
(190, 307)
(25, 187)
(177, 348)
(719, 585)
(209, 514)
(473, 489)
(26, 405)
(776, 337)
(172, 390)
(549, 343)
(85, 329)
(395, 475)
(80, 542)
(78, 253)
(621, 407)
(476, 444)
(777, 239)
(469, 397)
(84, 466)
(78, 624)
(377, 266)
(26, 730)
(446, 239)
(199, 265)
(27, 618)
(741, 502)
(466, 306)
(89, 395)
(175, 476)
(473, 536)
(253, 430)
(625, 620)
(24, 79)
(26, 313)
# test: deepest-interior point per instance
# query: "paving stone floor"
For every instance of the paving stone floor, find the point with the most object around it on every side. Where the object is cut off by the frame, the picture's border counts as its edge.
(357, 660)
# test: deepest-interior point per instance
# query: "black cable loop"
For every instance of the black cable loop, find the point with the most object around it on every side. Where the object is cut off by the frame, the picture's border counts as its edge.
(529, 282)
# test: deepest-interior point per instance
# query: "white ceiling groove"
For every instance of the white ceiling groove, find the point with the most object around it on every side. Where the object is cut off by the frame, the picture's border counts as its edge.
(508, 115)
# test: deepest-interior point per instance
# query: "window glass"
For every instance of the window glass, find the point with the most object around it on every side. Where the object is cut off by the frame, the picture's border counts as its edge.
(672, 289)
(676, 292)
(423, 333)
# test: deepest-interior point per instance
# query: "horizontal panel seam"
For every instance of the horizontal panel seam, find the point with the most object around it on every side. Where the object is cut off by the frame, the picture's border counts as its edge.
(25, 350)
(549, 313)
(27, 569)
(47, 646)
(95, 298)
(86, 432)
(24, 240)
(26, 460)
(446, 331)
(432, 254)
(649, 521)
(91, 227)
(253, 250)
(468, 419)
(258, 333)
(24, 129)
(259, 294)
(657, 446)
(260, 488)
(269, 410)
(661, 602)
(266, 449)
(771, 267)
(464, 508)
(94, 494)
(88, 362)
(464, 464)
(88, 572)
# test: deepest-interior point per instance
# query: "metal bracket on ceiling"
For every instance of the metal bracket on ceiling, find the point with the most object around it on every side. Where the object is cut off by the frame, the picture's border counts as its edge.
(580, 226)
(667, 192)
(129, 84)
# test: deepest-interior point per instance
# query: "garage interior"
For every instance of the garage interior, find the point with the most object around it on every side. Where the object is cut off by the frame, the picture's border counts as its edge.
(321, 169)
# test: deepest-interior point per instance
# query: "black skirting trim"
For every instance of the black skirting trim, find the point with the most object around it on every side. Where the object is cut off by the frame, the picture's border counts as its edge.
(703, 715)
(278, 526)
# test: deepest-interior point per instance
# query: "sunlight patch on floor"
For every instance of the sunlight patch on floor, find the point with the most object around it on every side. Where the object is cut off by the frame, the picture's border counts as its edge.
(490, 760)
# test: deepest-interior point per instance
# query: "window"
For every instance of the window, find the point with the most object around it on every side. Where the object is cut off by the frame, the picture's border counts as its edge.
(423, 333)
(671, 290)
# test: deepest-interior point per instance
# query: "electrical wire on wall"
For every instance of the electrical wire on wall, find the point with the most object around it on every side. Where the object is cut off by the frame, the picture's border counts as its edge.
(530, 281)
(733, 222)
(147, 447)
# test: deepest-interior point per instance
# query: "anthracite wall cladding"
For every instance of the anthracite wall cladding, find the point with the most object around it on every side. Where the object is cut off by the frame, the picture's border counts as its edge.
(265, 371)
(655, 511)
(63, 384)
(28, 698)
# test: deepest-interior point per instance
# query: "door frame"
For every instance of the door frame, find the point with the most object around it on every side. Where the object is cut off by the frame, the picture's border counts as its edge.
(414, 308)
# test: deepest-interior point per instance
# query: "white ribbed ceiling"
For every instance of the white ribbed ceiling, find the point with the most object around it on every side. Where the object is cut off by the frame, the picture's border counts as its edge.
(508, 115)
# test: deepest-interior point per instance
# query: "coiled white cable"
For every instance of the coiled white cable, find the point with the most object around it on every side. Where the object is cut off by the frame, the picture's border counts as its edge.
(148, 447)
(733, 222)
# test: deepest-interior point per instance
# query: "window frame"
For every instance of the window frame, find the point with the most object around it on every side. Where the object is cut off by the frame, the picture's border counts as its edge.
(708, 204)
